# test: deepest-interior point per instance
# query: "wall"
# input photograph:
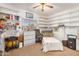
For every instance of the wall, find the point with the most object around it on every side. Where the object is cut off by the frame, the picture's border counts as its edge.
(44, 24)
(21, 13)
(70, 18)
(8, 11)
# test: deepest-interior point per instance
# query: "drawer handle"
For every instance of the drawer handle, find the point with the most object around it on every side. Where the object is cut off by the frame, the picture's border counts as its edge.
(70, 42)
(70, 46)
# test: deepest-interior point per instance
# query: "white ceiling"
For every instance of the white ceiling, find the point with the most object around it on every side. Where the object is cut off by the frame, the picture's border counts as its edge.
(58, 7)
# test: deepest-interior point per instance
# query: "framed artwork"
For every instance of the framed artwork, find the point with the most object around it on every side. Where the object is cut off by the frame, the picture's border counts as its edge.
(29, 15)
(16, 17)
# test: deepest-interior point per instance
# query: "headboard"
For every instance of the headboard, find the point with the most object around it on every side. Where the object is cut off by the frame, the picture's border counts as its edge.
(47, 33)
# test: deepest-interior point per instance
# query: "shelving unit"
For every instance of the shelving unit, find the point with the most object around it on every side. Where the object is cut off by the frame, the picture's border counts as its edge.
(18, 22)
(9, 25)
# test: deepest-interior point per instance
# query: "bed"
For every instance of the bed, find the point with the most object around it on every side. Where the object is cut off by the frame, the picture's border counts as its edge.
(51, 43)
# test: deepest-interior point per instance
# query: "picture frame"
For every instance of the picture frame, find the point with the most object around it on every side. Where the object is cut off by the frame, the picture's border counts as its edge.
(29, 15)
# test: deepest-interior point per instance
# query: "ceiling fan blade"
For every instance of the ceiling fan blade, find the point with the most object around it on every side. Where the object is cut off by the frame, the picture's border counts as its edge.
(36, 6)
(49, 6)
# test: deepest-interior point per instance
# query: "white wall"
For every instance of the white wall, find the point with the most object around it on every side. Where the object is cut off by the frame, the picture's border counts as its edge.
(21, 13)
(70, 18)
(44, 24)
(72, 30)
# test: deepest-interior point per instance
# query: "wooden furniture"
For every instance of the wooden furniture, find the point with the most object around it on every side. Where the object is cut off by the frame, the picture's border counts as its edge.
(29, 38)
(20, 38)
(65, 42)
(72, 41)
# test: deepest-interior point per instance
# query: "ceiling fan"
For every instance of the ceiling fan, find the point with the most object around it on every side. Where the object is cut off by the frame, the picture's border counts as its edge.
(43, 5)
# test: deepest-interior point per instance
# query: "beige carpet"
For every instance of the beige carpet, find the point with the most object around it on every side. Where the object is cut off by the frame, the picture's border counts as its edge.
(35, 50)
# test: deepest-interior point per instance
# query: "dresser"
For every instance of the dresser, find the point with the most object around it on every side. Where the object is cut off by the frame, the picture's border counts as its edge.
(72, 42)
(29, 38)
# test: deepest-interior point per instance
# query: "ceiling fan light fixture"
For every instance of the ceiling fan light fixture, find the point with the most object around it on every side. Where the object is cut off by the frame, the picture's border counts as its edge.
(43, 5)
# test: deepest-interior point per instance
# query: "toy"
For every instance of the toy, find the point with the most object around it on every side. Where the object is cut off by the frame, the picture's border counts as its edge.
(9, 44)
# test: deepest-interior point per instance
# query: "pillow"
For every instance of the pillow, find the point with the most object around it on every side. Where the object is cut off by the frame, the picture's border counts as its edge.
(57, 35)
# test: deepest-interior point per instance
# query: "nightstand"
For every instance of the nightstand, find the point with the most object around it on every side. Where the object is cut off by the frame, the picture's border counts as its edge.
(72, 43)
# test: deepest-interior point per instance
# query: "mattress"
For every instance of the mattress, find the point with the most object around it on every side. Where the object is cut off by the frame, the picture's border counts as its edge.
(51, 43)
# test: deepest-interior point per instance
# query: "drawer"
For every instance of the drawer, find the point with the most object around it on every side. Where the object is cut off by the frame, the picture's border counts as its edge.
(28, 41)
(71, 47)
(29, 37)
(29, 33)
(70, 42)
(28, 44)
(32, 39)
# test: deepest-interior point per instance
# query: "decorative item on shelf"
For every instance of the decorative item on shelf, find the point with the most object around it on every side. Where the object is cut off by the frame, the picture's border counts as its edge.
(11, 43)
(20, 45)
(10, 25)
(16, 17)
(11, 17)
(7, 16)
(17, 24)
(14, 43)
(1, 27)
(2, 20)
(27, 24)
(29, 15)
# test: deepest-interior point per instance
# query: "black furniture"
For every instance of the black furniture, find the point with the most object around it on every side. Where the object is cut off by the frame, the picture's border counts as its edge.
(72, 41)
(38, 36)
